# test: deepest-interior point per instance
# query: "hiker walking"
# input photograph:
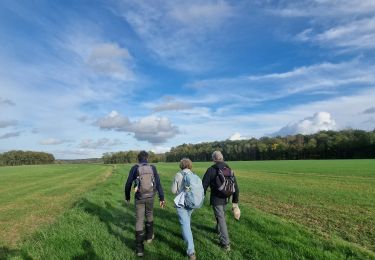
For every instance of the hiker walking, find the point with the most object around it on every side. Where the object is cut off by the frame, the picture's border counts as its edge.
(189, 190)
(146, 181)
(220, 178)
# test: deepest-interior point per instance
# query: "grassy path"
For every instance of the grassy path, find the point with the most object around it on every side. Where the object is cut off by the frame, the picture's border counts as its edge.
(100, 227)
(31, 196)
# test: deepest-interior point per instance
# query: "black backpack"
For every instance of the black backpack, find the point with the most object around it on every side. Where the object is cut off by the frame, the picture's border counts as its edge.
(225, 182)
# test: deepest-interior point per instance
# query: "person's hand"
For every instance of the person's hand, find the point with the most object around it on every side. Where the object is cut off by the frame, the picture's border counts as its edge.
(234, 205)
(126, 202)
(162, 204)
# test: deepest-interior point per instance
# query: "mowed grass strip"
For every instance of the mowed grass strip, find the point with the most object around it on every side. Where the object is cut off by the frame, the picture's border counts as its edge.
(34, 195)
(101, 227)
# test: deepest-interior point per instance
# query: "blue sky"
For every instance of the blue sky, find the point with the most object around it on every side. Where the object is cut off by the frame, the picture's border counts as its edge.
(80, 78)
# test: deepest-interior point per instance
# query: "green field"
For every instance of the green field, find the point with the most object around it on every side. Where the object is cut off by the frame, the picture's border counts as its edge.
(290, 210)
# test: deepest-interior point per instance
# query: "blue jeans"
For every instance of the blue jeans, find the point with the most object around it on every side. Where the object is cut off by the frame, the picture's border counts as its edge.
(184, 216)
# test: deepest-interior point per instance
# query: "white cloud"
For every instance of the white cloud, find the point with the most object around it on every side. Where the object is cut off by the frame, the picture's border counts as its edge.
(7, 123)
(309, 125)
(10, 135)
(172, 104)
(156, 130)
(111, 60)
(247, 90)
(202, 14)
(177, 33)
(53, 141)
(6, 102)
(153, 129)
(236, 136)
(359, 34)
(101, 143)
(160, 149)
(324, 9)
(113, 121)
(348, 25)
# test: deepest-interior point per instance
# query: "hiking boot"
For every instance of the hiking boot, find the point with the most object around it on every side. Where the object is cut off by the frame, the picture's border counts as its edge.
(225, 247)
(149, 232)
(150, 240)
(139, 248)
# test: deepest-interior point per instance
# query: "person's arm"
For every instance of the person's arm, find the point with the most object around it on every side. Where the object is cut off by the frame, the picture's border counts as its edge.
(236, 193)
(128, 185)
(159, 188)
(206, 180)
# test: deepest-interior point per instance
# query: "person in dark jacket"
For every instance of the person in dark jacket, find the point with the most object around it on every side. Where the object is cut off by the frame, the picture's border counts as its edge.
(217, 200)
(144, 201)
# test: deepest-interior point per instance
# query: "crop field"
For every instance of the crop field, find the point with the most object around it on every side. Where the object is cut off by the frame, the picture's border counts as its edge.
(289, 210)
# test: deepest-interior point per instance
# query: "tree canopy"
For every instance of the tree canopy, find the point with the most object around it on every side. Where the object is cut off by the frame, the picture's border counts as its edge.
(13, 158)
(345, 144)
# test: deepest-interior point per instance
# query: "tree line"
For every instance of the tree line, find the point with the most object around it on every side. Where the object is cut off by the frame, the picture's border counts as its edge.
(130, 157)
(345, 144)
(13, 158)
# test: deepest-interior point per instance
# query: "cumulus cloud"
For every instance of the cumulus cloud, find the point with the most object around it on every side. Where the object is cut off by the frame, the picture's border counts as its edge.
(370, 110)
(309, 125)
(10, 135)
(156, 130)
(114, 121)
(53, 141)
(6, 102)
(99, 144)
(153, 129)
(6, 123)
(111, 60)
(236, 136)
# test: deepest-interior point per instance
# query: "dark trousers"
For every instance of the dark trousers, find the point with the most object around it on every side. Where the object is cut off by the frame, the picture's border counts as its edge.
(143, 207)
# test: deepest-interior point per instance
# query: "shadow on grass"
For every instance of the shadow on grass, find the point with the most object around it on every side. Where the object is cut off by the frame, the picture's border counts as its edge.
(112, 217)
(89, 252)
(6, 253)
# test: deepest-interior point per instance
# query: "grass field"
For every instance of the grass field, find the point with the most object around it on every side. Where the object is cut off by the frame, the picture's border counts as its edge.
(290, 210)
(31, 196)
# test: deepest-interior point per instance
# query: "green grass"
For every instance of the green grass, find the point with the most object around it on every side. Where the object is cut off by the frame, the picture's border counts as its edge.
(290, 210)
(31, 196)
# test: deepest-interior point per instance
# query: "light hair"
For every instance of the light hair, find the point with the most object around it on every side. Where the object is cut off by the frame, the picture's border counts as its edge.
(186, 163)
(217, 156)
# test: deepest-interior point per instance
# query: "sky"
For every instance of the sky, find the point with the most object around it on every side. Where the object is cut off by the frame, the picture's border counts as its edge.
(82, 78)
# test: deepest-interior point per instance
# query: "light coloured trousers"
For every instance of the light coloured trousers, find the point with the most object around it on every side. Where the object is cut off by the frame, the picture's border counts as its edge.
(221, 225)
(184, 216)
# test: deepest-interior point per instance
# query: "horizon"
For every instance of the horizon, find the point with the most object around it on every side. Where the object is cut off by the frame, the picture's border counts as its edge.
(78, 80)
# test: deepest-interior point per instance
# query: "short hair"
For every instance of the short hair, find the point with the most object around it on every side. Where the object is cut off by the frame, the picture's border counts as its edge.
(217, 156)
(186, 163)
(143, 156)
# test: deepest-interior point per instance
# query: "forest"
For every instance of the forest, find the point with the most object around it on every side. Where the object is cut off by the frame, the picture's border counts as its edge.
(345, 144)
(13, 158)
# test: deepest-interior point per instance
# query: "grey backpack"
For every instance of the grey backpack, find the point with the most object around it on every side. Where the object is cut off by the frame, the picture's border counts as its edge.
(146, 181)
